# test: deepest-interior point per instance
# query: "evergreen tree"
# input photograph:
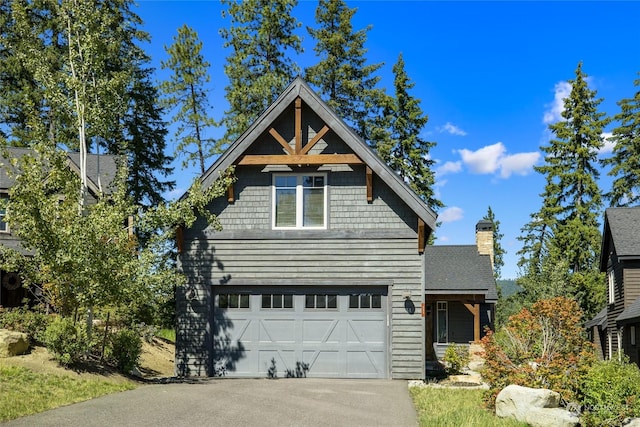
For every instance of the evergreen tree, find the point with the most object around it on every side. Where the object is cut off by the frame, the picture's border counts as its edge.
(342, 77)
(498, 250)
(186, 92)
(625, 160)
(566, 229)
(399, 143)
(88, 48)
(145, 132)
(261, 38)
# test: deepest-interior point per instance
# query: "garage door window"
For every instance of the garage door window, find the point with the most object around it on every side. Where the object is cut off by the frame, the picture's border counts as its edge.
(277, 301)
(321, 301)
(233, 301)
(360, 301)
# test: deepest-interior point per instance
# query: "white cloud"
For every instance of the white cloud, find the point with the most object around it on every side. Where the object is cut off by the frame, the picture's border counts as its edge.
(442, 238)
(452, 129)
(519, 164)
(449, 167)
(555, 108)
(451, 214)
(608, 144)
(494, 158)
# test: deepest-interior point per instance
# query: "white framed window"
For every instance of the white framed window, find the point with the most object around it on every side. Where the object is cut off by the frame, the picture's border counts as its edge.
(611, 279)
(442, 317)
(4, 199)
(299, 201)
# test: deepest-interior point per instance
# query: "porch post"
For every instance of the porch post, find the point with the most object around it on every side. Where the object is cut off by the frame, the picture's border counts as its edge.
(475, 310)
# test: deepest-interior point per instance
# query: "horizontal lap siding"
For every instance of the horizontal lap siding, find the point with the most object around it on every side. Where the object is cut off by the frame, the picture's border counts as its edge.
(284, 262)
(374, 241)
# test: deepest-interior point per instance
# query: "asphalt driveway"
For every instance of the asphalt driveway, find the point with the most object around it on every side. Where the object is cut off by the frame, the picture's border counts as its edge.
(243, 402)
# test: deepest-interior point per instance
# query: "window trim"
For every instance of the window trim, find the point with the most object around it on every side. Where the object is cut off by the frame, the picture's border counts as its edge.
(3, 215)
(632, 335)
(611, 281)
(299, 201)
(445, 304)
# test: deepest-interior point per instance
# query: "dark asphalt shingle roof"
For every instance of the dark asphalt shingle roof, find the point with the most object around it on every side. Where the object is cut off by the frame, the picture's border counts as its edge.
(100, 168)
(624, 224)
(632, 312)
(599, 320)
(459, 269)
(622, 228)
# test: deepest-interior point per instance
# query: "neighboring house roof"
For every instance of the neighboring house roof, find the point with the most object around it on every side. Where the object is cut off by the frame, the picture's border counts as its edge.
(621, 227)
(600, 320)
(101, 169)
(459, 269)
(631, 313)
(298, 88)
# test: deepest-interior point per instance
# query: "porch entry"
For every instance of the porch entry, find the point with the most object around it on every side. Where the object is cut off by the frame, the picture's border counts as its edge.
(450, 321)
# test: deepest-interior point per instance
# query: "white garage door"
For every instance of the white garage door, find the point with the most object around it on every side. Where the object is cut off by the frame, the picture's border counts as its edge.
(314, 332)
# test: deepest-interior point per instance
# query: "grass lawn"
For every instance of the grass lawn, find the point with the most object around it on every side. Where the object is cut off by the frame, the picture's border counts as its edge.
(454, 407)
(24, 392)
(167, 334)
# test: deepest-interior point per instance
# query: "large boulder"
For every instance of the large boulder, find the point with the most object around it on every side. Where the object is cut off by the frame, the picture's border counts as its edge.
(13, 343)
(537, 407)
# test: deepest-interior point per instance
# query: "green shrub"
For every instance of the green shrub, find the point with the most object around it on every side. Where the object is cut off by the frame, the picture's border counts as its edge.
(611, 393)
(544, 347)
(125, 348)
(67, 340)
(25, 320)
(456, 358)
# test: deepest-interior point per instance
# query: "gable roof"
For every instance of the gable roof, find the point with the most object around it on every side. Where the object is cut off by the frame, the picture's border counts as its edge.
(622, 228)
(459, 269)
(600, 320)
(299, 89)
(101, 169)
(631, 313)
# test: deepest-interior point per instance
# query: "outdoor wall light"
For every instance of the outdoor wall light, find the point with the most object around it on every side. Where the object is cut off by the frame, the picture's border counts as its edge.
(409, 305)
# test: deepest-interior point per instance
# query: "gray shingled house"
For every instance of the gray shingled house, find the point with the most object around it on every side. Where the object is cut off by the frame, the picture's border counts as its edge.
(460, 292)
(101, 170)
(619, 330)
(321, 265)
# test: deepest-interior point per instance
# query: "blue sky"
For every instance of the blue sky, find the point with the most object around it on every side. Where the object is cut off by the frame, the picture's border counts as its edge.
(490, 75)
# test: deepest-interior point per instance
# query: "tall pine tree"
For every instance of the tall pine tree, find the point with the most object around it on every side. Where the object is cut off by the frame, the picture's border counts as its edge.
(566, 229)
(498, 250)
(186, 92)
(625, 160)
(399, 143)
(342, 76)
(262, 39)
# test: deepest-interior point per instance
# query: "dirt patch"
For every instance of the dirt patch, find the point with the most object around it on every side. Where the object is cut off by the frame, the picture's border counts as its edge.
(156, 361)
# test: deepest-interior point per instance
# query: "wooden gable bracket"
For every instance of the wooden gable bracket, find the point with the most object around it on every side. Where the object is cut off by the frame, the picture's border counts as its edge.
(299, 154)
(180, 238)
(422, 236)
(369, 174)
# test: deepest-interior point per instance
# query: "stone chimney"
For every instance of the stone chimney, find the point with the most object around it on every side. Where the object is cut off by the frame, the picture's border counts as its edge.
(484, 238)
